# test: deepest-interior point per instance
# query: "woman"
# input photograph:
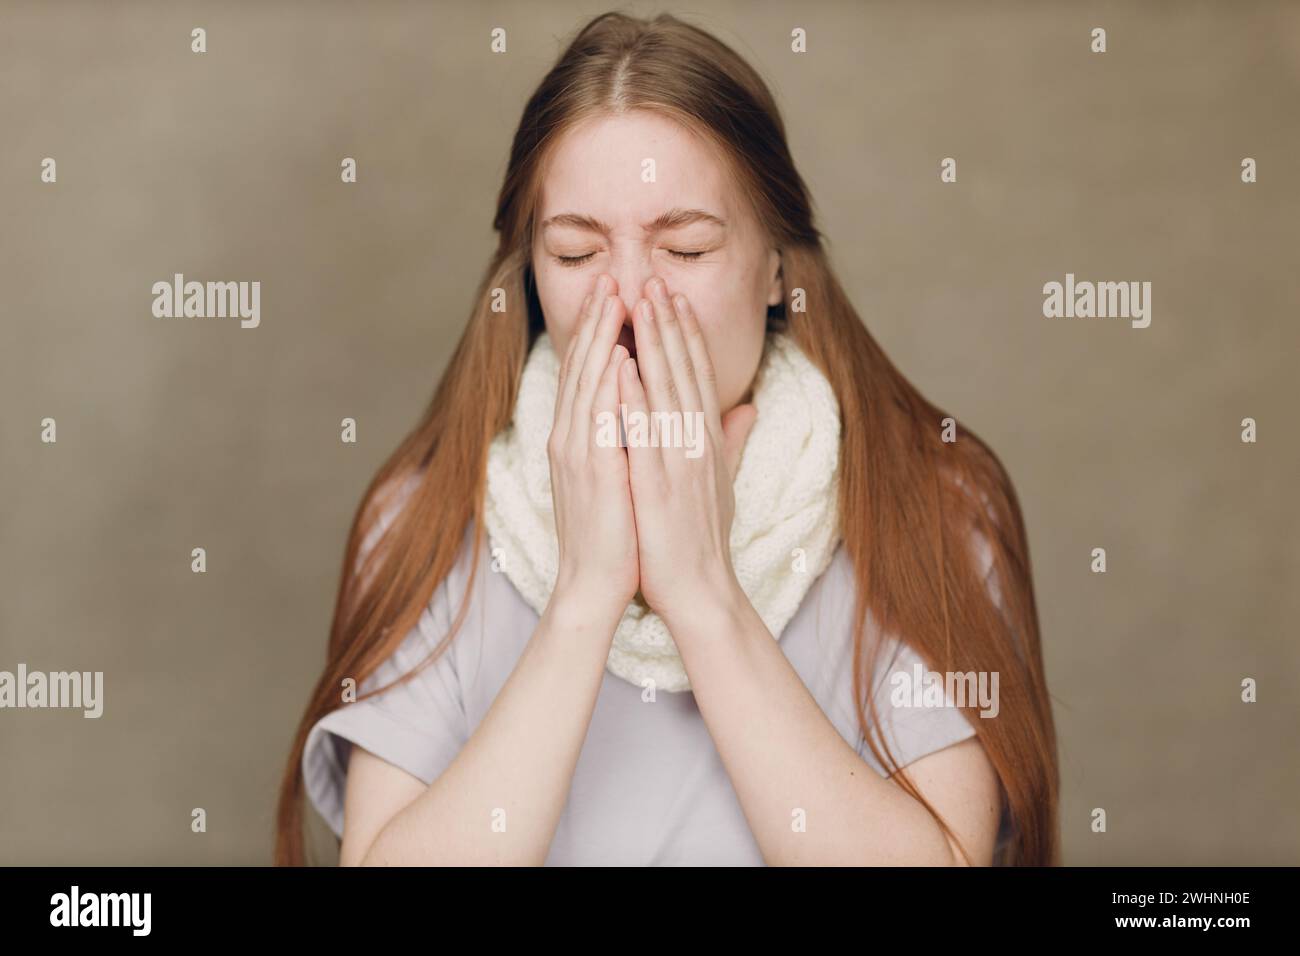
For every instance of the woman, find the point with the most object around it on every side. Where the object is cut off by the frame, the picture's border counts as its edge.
(583, 639)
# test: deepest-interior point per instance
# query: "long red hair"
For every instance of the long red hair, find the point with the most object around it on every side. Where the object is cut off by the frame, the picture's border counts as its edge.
(910, 502)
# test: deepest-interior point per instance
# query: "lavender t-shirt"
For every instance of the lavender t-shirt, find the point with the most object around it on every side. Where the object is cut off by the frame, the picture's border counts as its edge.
(649, 787)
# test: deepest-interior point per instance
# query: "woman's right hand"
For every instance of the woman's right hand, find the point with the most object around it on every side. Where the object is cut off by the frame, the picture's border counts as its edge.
(598, 567)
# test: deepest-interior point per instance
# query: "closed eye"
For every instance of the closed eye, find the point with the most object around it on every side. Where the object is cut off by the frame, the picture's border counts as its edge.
(575, 261)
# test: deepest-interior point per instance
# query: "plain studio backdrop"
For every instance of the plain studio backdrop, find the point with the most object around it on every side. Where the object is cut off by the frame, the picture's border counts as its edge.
(175, 434)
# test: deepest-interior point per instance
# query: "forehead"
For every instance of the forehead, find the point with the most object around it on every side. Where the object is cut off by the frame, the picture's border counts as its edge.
(597, 168)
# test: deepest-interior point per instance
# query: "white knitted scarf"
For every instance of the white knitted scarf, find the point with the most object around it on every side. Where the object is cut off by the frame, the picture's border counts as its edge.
(786, 524)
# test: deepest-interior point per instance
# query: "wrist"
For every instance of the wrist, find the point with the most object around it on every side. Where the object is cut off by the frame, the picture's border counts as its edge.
(575, 607)
(719, 608)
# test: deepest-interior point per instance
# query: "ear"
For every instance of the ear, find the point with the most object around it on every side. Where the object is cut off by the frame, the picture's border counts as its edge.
(776, 283)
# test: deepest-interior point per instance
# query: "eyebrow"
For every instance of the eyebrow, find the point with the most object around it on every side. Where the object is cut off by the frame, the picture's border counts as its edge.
(672, 219)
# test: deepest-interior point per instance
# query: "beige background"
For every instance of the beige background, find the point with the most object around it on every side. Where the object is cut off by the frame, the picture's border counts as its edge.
(225, 166)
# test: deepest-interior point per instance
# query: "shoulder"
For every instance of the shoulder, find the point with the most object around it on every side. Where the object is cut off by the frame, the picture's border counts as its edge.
(386, 504)
(972, 525)
(395, 501)
(977, 522)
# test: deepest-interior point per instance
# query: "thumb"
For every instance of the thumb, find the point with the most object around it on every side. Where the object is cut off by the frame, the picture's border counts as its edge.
(735, 429)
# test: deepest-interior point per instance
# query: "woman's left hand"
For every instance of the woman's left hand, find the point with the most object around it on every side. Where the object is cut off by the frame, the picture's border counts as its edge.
(682, 495)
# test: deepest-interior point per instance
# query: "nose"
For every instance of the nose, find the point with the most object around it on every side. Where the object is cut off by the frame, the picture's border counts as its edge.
(631, 273)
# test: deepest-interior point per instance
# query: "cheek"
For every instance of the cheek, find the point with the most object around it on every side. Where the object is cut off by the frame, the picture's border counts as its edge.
(560, 296)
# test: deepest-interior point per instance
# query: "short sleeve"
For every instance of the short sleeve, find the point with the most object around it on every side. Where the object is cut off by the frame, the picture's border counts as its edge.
(906, 719)
(913, 722)
(418, 726)
(915, 725)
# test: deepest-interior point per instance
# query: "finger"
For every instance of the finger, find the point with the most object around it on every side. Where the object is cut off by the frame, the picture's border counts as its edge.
(605, 404)
(705, 377)
(651, 362)
(588, 379)
(641, 457)
(568, 354)
(581, 343)
(679, 358)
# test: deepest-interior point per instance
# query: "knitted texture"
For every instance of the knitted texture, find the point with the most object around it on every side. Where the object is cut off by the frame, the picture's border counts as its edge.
(786, 524)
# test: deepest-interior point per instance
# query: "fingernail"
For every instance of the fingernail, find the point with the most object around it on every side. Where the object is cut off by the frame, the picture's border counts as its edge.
(609, 307)
(647, 310)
